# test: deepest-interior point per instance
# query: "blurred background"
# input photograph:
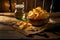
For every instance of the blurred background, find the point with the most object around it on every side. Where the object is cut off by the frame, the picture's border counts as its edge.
(9, 6)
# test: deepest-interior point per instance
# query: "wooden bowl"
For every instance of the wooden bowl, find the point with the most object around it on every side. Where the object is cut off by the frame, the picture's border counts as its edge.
(38, 22)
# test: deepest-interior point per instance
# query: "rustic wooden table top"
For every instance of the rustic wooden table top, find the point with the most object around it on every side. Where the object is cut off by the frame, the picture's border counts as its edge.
(7, 32)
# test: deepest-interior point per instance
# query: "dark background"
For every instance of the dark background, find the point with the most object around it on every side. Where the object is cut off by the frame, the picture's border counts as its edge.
(8, 5)
(56, 6)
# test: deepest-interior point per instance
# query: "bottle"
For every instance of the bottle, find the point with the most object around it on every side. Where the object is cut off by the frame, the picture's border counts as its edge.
(19, 11)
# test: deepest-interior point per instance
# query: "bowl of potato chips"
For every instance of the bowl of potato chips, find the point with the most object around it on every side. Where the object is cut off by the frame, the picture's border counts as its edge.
(38, 16)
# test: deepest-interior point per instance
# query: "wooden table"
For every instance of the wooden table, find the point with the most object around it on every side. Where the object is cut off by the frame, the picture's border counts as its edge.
(7, 32)
(7, 14)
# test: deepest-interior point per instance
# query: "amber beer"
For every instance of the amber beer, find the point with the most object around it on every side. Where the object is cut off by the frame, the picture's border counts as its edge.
(18, 13)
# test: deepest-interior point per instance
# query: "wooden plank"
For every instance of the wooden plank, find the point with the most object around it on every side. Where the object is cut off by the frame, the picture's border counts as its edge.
(7, 14)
